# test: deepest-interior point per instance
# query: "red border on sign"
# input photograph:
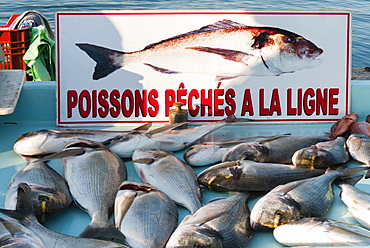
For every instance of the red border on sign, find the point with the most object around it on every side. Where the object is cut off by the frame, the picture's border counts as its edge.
(347, 86)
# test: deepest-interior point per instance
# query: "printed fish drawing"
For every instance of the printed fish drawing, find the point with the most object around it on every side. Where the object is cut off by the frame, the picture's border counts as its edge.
(225, 49)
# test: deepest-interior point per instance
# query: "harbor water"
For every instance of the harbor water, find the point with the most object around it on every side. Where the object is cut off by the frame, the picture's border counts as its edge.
(360, 12)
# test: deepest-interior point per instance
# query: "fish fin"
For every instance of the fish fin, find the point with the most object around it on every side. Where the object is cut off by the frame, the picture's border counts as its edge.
(285, 188)
(228, 54)
(352, 181)
(63, 154)
(121, 205)
(143, 160)
(105, 58)
(23, 210)
(350, 171)
(144, 127)
(166, 128)
(162, 70)
(212, 27)
(107, 231)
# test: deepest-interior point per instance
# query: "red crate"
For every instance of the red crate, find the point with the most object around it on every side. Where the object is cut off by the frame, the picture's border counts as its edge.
(14, 44)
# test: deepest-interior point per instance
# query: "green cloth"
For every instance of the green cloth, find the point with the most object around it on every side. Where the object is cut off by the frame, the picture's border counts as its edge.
(40, 55)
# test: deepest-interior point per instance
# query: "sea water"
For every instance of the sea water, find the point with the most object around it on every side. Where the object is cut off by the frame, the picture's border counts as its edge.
(360, 10)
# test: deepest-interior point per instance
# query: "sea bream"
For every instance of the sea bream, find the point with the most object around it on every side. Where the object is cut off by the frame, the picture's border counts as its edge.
(166, 139)
(25, 215)
(93, 174)
(246, 175)
(277, 149)
(220, 223)
(44, 142)
(226, 49)
(13, 234)
(170, 175)
(49, 191)
(298, 199)
(211, 152)
(145, 215)
(309, 232)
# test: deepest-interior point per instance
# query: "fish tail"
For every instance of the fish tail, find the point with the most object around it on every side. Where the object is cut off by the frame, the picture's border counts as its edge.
(108, 231)
(107, 60)
(24, 211)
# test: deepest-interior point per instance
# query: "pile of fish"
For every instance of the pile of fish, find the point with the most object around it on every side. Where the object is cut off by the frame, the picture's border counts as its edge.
(291, 177)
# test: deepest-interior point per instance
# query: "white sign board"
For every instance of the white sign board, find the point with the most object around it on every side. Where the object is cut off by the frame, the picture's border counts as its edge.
(124, 67)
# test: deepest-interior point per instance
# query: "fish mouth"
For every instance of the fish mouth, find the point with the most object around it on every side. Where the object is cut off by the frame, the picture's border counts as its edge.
(314, 54)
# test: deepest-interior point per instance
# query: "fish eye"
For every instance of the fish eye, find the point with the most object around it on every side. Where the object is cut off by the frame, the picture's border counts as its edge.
(43, 198)
(291, 39)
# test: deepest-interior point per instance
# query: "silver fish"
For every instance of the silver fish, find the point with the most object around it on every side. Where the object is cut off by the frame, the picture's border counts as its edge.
(170, 175)
(125, 145)
(304, 198)
(321, 232)
(357, 202)
(13, 235)
(211, 152)
(49, 191)
(165, 138)
(225, 49)
(323, 154)
(279, 149)
(246, 175)
(25, 215)
(93, 174)
(149, 217)
(359, 147)
(220, 223)
(41, 143)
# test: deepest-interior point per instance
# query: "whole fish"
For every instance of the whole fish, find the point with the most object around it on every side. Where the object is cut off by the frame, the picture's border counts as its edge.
(145, 215)
(170, 175)
(278, 149)
(303, 198)
(211, 152)
(44, 142)
(166, 139)
(49, 191)
(225, 49)
(220, 223)
(25, 215)
(13, 234)
(359, 147)
(93, 174)
(321, 232)
(246, 175)
(323, 154)
(343, 125)
(357, 202)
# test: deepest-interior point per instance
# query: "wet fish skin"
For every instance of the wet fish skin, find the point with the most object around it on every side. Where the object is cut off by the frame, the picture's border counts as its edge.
(170, 175)
(13, 234)
(151, 217)
(357, 202)
(93, 178)
(278, 149)
(321, 232)
(235, 50)
(125, 145)
(207, 153)
(303, 198)
(343, 125)
(25, 215)
(246, 175)
(219, 223)
(47, 141)
(359, 147)
(361, 127)
(49, 191)
(323, 154)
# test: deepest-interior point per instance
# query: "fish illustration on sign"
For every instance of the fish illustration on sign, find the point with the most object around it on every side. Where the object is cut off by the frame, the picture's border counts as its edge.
(226, 49)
